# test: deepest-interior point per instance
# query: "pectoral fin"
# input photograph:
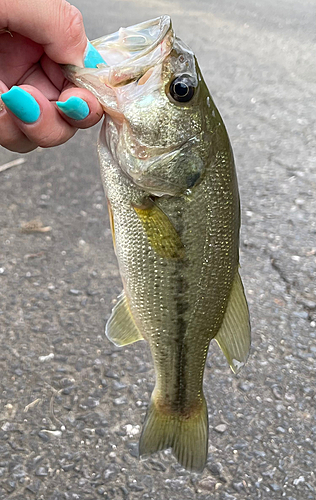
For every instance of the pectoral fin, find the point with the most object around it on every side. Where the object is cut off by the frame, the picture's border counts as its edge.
(121, 328)
(160, 231)
(234, 335)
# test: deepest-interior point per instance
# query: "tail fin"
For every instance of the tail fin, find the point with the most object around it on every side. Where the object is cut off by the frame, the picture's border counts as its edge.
(188, 437)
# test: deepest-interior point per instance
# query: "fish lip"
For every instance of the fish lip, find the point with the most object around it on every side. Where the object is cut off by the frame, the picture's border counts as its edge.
(123, 66)
(159, 35)
(164, 24)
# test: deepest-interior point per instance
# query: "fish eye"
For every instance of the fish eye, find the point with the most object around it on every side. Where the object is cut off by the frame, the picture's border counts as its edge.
(181, 89)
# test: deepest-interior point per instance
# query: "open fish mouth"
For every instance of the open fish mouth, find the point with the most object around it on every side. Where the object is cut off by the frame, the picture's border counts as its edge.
(128, 54)
(132, 85)
(131, 51)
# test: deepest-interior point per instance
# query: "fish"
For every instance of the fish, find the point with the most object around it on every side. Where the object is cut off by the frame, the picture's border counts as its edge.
(168, 172)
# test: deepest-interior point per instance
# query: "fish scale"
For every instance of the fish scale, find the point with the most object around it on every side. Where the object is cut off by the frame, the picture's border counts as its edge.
(156, 310)
(169, 177)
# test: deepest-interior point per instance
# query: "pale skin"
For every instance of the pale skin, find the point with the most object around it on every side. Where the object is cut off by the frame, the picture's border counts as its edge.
(41, 35)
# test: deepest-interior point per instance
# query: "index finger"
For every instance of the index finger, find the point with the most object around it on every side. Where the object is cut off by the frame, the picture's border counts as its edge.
(55, 24)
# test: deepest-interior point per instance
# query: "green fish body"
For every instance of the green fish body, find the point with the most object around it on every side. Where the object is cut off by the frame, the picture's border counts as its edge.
(169, 177)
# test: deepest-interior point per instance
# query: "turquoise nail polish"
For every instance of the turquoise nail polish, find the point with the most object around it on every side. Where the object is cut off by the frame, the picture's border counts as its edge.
(74, 108)
(22, 104)
(92, 57)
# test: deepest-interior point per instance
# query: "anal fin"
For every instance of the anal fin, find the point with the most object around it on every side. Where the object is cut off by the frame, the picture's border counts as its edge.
(121, 328)
(234, 335)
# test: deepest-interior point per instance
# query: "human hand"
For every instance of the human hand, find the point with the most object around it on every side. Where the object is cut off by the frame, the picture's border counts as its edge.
(35, 37)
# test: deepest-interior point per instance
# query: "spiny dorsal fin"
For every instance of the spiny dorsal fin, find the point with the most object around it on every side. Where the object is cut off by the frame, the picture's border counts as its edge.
(160, 231)
(234, 335)
(121, 328)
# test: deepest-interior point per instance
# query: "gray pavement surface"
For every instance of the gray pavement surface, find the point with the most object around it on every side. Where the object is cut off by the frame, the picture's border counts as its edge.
(71, 405)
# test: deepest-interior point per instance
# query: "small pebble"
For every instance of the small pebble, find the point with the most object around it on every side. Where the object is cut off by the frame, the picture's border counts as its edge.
(43, 435)
(207, 484)
(34, 487)
(118, 386)
(68, 467)
(49, 356)
(281, 430)
(290, 397)
(276, 393)
(259, 453)
(41, 471)
(245, 387)
(216, 468)
(299, 480)
(310, 304)
(238, 487)
(52, 433)
(135, 487)
(301, 314)
(133, 449)
(156, 465)
(240, 446)
(120, 401)
(100, 432)
(111, 374)
(101, 490)
(227, 496)
(220, 428)
(110, 473)
(275, 487)
(7, 426)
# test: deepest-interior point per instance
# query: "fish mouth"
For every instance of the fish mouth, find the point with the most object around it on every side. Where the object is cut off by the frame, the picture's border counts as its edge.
(132, 51)
(128, 54)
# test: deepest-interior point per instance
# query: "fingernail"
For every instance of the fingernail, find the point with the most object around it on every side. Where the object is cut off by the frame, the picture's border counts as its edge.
(92, 57)
(75, 108)
(22, 104)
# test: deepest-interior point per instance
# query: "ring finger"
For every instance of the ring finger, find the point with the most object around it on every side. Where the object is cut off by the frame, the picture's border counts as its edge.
(33, 115)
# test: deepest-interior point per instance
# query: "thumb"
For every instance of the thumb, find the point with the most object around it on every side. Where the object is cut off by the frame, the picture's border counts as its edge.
(55, 24)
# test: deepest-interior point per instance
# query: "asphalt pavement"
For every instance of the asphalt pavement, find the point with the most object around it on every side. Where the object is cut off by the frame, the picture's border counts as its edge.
(71, 404)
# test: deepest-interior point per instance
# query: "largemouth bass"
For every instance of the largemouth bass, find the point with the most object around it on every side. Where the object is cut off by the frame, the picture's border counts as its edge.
(169, 177)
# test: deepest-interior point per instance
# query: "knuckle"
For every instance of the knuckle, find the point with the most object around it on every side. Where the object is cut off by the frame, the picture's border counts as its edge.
(53, 138)
(74, 30)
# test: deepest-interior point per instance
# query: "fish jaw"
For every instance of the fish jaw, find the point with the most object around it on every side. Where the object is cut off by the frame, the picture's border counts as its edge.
(160, 145)
(129, 53)
(132, 51)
